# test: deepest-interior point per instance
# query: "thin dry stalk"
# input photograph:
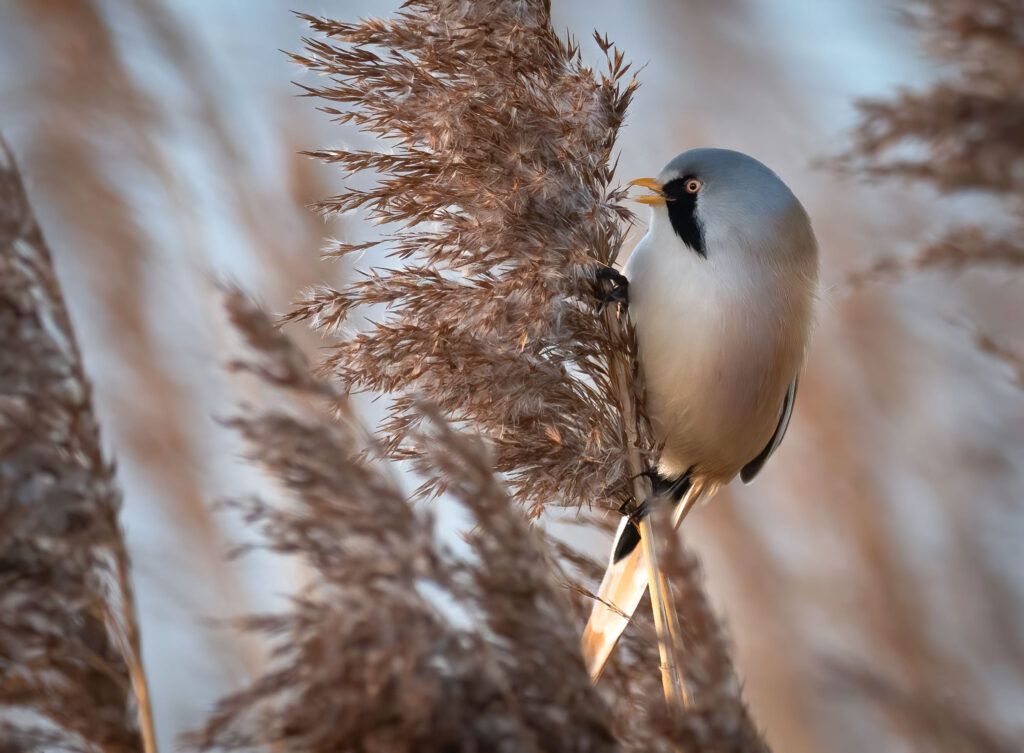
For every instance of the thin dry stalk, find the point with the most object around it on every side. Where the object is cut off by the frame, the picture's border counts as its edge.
(717, 718)
(71, 652)
(665, 621)
(665, 627)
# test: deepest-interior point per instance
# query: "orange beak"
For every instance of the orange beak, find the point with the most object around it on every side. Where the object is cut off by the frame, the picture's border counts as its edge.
(653, 185)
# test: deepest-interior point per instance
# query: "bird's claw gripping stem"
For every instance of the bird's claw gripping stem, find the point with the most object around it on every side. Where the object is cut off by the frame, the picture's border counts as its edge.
(642, 511)
(617, 292)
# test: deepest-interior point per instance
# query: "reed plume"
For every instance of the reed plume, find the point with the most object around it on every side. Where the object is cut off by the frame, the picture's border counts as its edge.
(495, 189)
(717, 718)
(493, 186)
(71, 675)
(369, 657)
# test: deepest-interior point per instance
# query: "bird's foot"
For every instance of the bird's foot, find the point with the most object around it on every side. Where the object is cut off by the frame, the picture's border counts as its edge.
(610, 286)
(661, 486)
(673, 488)
(642, 511)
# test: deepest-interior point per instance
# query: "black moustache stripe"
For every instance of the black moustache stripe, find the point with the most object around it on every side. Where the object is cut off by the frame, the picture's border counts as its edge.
(682, 211)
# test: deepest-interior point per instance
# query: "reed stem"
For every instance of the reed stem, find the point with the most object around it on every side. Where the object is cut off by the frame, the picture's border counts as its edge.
(666, 624)
(136, 670)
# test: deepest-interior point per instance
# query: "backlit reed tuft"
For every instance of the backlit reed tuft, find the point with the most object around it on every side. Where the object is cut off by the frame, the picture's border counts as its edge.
(395, 644)
(493, 187)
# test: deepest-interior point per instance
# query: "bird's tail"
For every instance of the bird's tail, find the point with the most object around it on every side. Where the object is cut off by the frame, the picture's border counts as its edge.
(623, 586)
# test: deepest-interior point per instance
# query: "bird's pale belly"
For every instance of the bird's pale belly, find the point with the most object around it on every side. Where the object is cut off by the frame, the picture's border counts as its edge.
(716, 375)
(714, 405)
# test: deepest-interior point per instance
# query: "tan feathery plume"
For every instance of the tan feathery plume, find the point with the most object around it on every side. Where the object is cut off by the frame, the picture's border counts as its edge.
(969, 121)
(369, 657)
(398, 645)
(495, 193)
(500, 139)
(70, 653)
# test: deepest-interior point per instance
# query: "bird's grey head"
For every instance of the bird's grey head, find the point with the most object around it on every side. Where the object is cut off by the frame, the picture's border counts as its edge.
(721, 201)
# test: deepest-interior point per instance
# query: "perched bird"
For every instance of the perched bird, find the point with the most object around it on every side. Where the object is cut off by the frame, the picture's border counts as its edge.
(721, 291)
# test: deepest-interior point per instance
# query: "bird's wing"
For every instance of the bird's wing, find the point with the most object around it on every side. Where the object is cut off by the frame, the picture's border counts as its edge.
(754, 467)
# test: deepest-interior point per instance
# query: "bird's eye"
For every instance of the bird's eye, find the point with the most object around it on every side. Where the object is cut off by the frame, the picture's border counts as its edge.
(693, 185)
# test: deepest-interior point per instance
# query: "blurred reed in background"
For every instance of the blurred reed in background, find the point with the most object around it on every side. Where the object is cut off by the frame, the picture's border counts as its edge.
(151, 178)
(70, 651)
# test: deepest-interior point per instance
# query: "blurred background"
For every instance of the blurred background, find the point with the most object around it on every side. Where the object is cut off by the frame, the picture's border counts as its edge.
(876, 562)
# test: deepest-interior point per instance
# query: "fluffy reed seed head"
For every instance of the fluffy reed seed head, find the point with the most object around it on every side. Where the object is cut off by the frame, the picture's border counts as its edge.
(494, 193)
(369, 657)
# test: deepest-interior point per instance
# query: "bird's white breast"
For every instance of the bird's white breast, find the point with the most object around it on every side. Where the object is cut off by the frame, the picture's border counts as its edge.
(720, 340)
